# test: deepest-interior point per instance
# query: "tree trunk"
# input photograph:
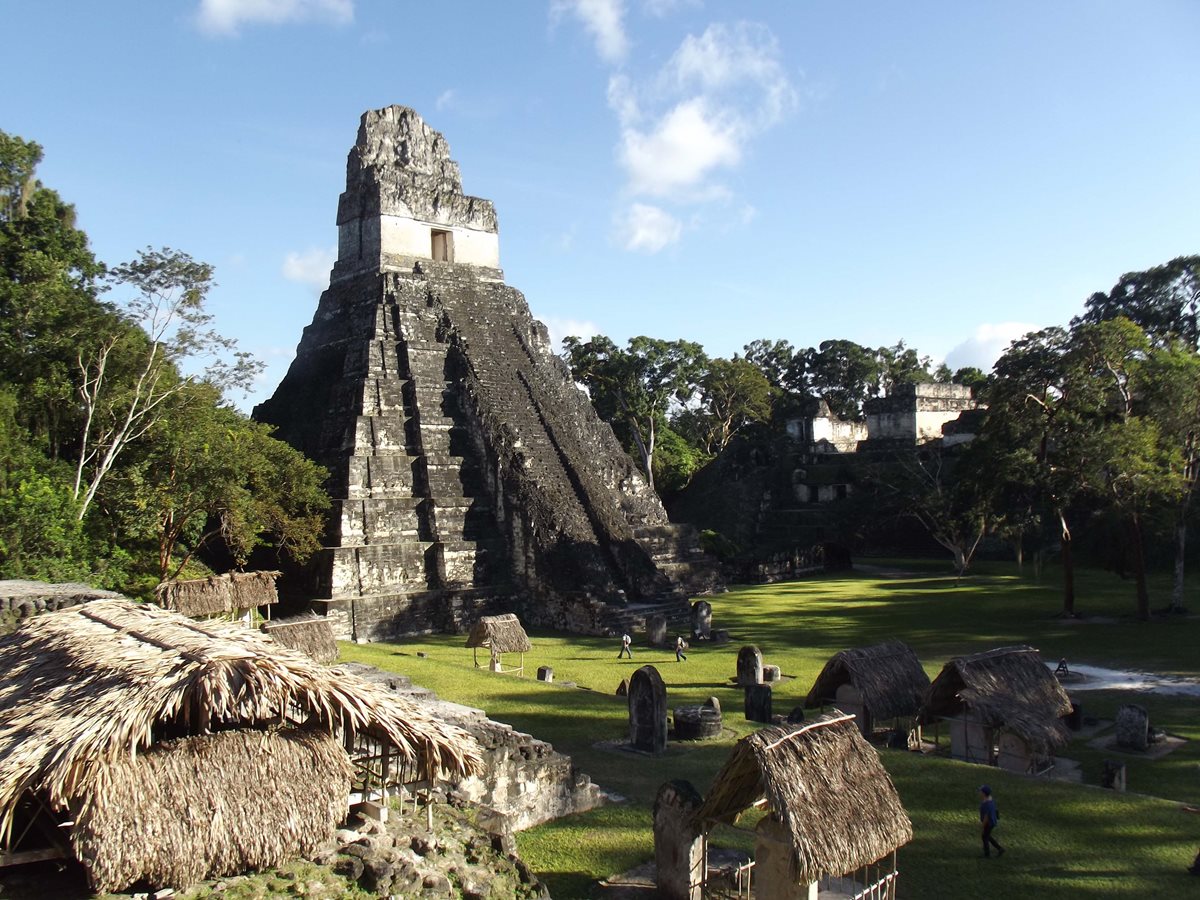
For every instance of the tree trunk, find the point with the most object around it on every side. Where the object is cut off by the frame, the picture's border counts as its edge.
(1139, 567)
(1180, 550)
(1068, 569)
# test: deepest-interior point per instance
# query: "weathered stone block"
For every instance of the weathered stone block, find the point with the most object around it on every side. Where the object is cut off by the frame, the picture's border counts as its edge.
(545, 673)
(702, 619)
(758, 703)
(678, 848)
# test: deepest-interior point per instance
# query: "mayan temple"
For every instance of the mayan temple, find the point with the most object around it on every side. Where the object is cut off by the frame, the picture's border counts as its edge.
(469, 474)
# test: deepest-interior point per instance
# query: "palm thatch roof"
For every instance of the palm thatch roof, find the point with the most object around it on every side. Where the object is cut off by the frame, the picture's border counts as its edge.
(888, 675)
(502, 634)
(1008, 688)
(89, 686)
(216, 594)
(167, 817)
(826, 785)
(311, 635)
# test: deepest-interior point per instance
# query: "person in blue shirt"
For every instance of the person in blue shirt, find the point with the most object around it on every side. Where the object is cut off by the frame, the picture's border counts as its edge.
(989, 818)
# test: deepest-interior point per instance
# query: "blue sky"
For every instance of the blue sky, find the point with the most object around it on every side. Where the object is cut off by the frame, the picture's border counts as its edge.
(948, 174)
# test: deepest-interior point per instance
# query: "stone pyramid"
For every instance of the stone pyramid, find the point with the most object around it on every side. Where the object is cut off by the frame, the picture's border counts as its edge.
(469, 474)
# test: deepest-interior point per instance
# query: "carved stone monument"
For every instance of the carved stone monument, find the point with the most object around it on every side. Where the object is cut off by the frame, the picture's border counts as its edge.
(749, 666)
(647, 710)
(656, 630)
(469, 474)
(702, 619)
(678, 848)
(1133, 727)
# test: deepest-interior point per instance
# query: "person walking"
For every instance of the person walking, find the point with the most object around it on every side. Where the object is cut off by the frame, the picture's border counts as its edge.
(680, 646)
(626, 640)
(989, 818)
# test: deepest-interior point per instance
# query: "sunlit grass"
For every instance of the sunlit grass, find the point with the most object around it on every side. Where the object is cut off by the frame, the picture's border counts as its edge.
(1067, 840)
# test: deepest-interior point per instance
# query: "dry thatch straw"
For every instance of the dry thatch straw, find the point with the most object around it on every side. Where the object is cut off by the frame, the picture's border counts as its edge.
(826, 785)
(214, 805)
(311, 635)
(228, 593)
(502, 634)
(1010, 689)
(88, 685)
(888, 675)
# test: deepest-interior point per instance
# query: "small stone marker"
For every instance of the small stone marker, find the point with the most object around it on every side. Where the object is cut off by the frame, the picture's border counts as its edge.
(771, 673)
(758, 703)
(1133, 727)
(796, 715)
(656, 630)
(623, 688)
(720, 637)
(702, 619)
(648, 711)
(713, 703)
(421, 654)
(1113, 776)
(545, 673)
(749, 666)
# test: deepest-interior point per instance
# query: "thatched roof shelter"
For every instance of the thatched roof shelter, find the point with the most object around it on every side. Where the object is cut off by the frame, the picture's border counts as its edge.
(95, 696)
(311, 635)
(826, 785)
(500, 634)
(888, 675)
(1010, 689)
(228, 593)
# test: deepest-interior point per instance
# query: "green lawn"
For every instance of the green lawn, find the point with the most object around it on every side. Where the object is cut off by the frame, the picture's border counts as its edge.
(1067, 840)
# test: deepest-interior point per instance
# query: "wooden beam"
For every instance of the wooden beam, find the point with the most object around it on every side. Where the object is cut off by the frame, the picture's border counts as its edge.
(31, 856)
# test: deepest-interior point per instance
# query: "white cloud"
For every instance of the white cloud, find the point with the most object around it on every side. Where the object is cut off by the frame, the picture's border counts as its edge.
(662, 8)
(560, 328)
(694, 119)
(648, 228)
(445, 99)
(680, 150)
(224, 17)
(310, 267)
(987, 345)
(603, 19)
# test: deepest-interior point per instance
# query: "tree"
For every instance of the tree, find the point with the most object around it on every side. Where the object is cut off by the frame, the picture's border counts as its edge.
(211, 474)
(970, 376)
(47, 298)
(843, 374)
(1164, 301)
(1035, 416)
(899, 364)
(776, 359)
(127, 379)
(633, 388)
(1170, 396)
(733, 393)
(931, 485)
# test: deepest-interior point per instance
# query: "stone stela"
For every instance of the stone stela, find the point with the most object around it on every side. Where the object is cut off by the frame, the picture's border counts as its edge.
(647, 711)
(469, 474)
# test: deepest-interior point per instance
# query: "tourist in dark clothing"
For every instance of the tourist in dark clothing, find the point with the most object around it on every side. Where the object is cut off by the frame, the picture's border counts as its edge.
(680, 646)
(989, 818)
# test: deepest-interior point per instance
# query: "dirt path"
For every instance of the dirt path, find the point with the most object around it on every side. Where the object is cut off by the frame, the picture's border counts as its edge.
(1097, 678)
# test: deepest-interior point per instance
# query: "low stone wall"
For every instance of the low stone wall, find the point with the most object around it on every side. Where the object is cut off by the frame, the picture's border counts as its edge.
(525, 781)
(20, 600)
